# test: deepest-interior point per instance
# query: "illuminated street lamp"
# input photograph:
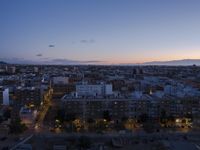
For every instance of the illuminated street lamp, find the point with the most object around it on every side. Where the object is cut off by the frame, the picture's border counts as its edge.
(57, 121)
(178, 120)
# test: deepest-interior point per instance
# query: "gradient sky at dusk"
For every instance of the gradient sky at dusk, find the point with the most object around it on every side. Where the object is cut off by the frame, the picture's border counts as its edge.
(111, 31)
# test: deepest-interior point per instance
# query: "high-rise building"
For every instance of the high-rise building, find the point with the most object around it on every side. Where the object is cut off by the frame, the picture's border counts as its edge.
(4, 96)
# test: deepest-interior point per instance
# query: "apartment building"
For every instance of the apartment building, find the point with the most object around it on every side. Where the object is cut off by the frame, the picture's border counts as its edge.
(27, 96)
(94, 89)
(131, 108)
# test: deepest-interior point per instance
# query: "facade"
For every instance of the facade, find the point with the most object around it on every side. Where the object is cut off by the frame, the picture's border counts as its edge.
(60, 90)
(60, 80)
(94, 89)
(4, 96)
(27, 115)
(129, 108)
(1, 96)
(95, 108)
(36, 69)
(11, 69)
(27, 95)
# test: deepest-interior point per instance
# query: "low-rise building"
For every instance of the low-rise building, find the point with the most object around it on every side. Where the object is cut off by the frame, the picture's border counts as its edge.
(27, 115)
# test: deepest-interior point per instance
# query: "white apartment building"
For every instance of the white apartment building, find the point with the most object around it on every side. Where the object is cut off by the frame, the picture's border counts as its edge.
(60, 80)
(94, 90)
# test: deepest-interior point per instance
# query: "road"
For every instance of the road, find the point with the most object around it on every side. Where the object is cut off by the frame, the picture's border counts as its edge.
(38, 126)
(42, 113)
(22, 142)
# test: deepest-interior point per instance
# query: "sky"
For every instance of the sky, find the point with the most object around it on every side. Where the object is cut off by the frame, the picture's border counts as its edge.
(99, 31)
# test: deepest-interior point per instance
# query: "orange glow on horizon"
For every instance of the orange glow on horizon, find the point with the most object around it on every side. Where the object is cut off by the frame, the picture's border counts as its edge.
(140, 61)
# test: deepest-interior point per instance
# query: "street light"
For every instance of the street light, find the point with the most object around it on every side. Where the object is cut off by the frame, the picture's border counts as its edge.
(178, 120)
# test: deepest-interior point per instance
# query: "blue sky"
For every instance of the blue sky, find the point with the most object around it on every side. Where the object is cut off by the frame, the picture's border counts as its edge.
(99, 31)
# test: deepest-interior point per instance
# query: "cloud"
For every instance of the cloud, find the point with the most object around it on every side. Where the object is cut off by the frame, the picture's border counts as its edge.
(92, 41)
(45, 58)
(51, 46)
(39, 55)
(68, 61)
(85, 41)
(183, 62)
(15, 60)
(93, 61)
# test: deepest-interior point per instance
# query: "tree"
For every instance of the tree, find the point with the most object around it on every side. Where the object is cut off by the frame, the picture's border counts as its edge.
(70, 117)
(101, 125)
(1, 119)
(148, 127)
(16, 127)
(189, 116)
(163, 116)
(7, 114)
(90, 121)
(119, 126)
(143, 118)
(60, 115)
(171, 118)
(184, 121)
(106, 115)
(124, 119)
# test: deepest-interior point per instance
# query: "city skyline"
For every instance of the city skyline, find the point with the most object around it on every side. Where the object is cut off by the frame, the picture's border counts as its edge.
(99, 32)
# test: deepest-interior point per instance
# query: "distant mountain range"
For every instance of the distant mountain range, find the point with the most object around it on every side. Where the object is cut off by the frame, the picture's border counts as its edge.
(183, 62)
(2, 63)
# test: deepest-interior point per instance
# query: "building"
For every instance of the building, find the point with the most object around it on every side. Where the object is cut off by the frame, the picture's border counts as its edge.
(1, 95)
(117, 108)
(36, 70)
(60, 80)
(4, 96)
(27, 115)
(94, 89)
(96, 108)
(27, 95)
(60, 90)
(10, 69)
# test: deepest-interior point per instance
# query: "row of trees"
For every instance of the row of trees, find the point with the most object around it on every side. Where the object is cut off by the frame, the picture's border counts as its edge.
(15, 127)
(106, 122)
(6, 115)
